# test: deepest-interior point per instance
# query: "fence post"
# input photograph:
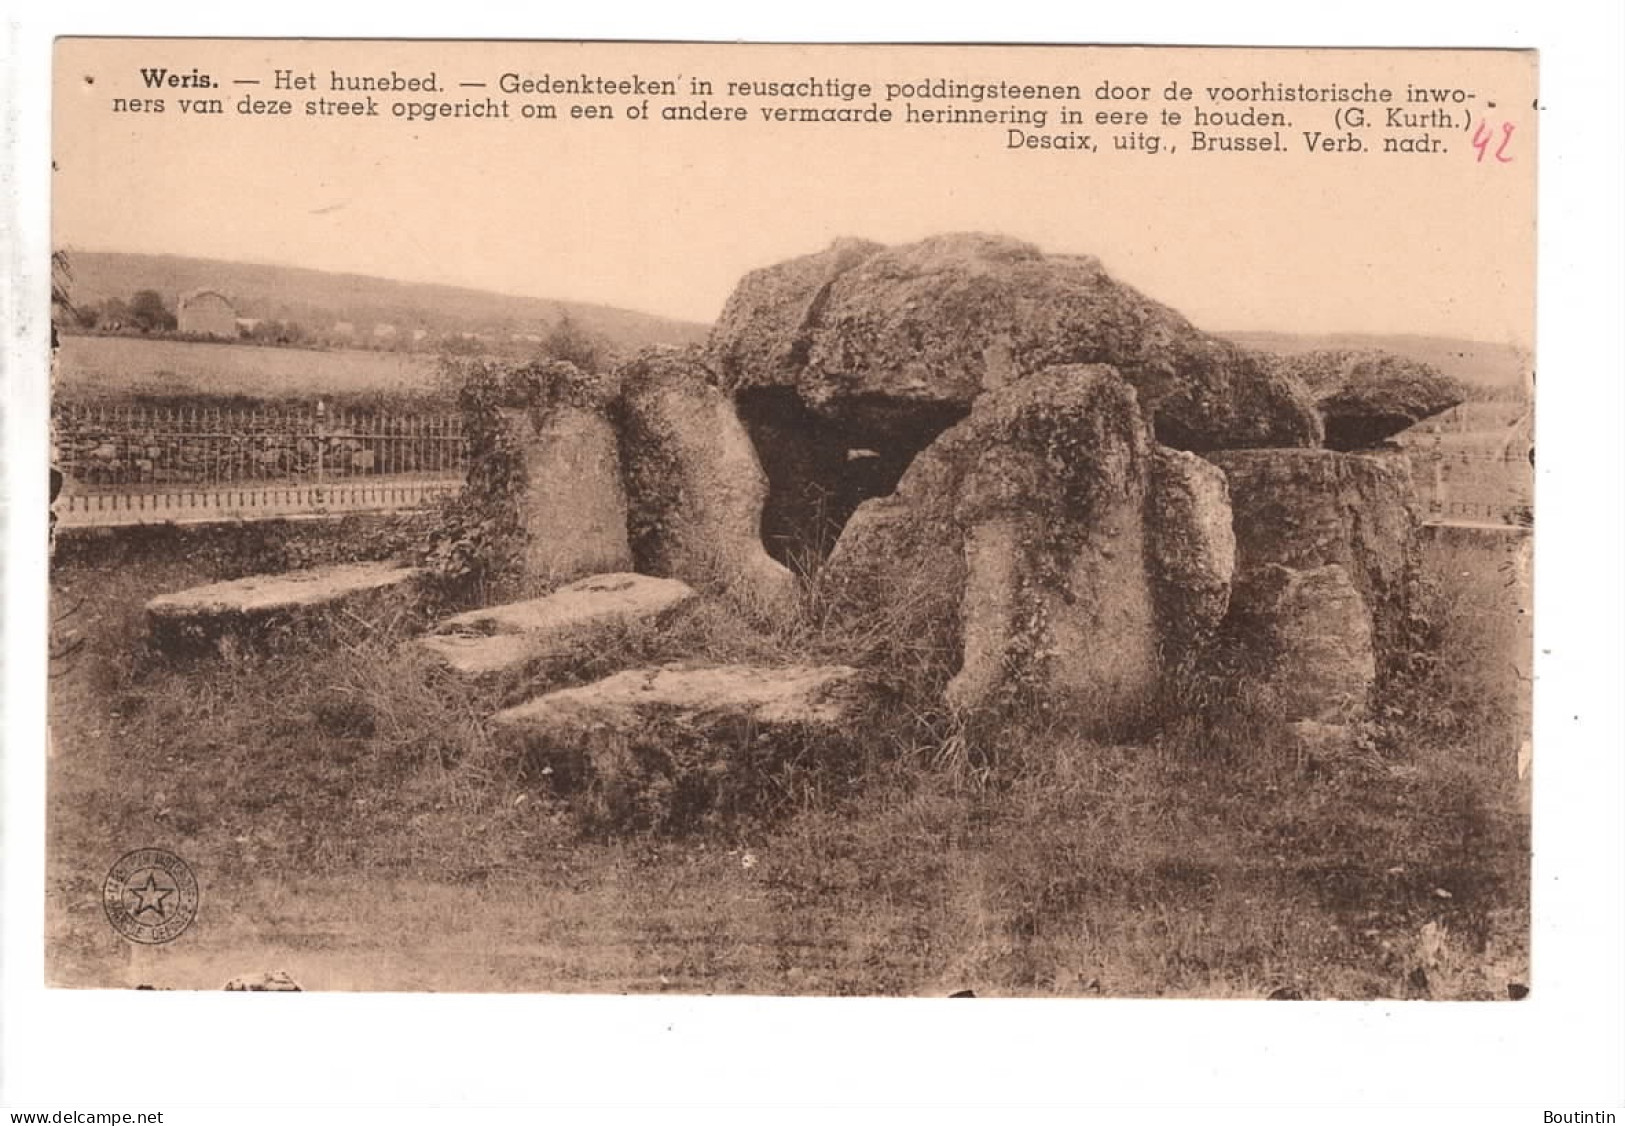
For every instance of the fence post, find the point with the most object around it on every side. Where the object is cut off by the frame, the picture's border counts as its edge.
(321, 447)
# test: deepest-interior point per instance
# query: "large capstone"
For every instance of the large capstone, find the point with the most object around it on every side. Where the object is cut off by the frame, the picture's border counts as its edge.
(766, 326)
(1036, 503)
(1366, 397)
(1303, 510)
(573, 508)
(695, 489)
(880, 337)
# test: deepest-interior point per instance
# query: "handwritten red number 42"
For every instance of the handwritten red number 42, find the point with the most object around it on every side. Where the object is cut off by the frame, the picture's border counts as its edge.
(1483, 135)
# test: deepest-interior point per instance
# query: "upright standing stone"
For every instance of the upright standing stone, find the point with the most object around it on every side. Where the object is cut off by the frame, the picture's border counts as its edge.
(1041, 494)
(1192, 548)
(1310, 631)
(573, 511)
(573, 508)
(1055, 549)
(694, 485)
(1304, 509)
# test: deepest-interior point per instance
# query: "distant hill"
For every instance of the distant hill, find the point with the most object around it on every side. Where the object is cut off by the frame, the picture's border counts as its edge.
(318, 299)
(1499, 367)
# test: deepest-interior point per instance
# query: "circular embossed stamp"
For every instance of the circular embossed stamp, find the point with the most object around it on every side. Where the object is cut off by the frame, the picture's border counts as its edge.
(150, 896)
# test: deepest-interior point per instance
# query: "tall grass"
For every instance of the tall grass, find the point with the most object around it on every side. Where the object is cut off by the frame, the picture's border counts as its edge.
(923, 857)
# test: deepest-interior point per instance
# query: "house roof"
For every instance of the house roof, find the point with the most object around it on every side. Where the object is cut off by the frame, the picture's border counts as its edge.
(192, 295)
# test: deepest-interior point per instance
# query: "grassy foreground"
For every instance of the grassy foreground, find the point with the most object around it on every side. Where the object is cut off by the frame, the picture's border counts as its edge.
(351, 821)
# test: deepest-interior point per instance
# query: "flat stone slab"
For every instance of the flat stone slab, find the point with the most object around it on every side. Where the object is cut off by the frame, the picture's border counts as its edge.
(632, 701)
(220, 607)
(672, 748)
(497, 638)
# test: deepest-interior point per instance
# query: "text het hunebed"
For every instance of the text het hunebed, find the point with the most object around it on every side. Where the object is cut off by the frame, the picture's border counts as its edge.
(1029, 116)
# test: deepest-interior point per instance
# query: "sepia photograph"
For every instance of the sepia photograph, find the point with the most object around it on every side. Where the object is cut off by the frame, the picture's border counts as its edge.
(791, 520)
(565, 562)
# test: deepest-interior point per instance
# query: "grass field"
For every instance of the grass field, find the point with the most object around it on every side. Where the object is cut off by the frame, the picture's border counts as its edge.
(121, 367)
(352, 821)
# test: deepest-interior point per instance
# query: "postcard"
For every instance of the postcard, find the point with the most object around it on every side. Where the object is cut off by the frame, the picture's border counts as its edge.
(544, 517)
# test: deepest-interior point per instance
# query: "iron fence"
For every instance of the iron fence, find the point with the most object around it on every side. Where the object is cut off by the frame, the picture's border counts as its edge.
(130, 448)
(125, 463)
(1493, 486)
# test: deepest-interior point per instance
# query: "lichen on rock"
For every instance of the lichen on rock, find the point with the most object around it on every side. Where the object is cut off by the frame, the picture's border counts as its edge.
(862, 334)
(762, 337)
(673, 747)
(695, 489)
(1040, 493)
(571, 511)
(1304, 509)
(1311, 631)
(1366, 397)
(1192, 547)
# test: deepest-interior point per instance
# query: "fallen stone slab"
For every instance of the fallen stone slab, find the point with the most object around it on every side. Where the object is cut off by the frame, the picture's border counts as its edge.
(248, 607)
(814, 695)
(499, 638)
(668, 748)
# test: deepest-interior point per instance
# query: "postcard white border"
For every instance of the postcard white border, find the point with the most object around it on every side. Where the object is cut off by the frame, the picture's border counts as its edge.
(1561, 1048)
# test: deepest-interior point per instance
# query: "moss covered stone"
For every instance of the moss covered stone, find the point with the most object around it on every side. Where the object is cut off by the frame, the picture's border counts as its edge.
(1192, 548)
(764, 333)
(571, 510)
(1037, 502)
(1310, 631)
(1304, 509)
(863, 335)
(1366, 397)
(695, 489)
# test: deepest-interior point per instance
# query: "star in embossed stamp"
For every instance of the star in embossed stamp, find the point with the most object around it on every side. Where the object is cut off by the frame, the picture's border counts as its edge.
(150, 896)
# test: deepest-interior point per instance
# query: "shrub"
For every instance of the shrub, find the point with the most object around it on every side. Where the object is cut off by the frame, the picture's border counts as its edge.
(475, 547)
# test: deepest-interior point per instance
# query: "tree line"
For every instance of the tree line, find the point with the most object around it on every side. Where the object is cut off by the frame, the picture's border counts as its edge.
(148, 313)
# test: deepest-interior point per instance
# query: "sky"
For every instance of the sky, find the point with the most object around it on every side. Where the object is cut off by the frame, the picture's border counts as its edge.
(664, 216)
